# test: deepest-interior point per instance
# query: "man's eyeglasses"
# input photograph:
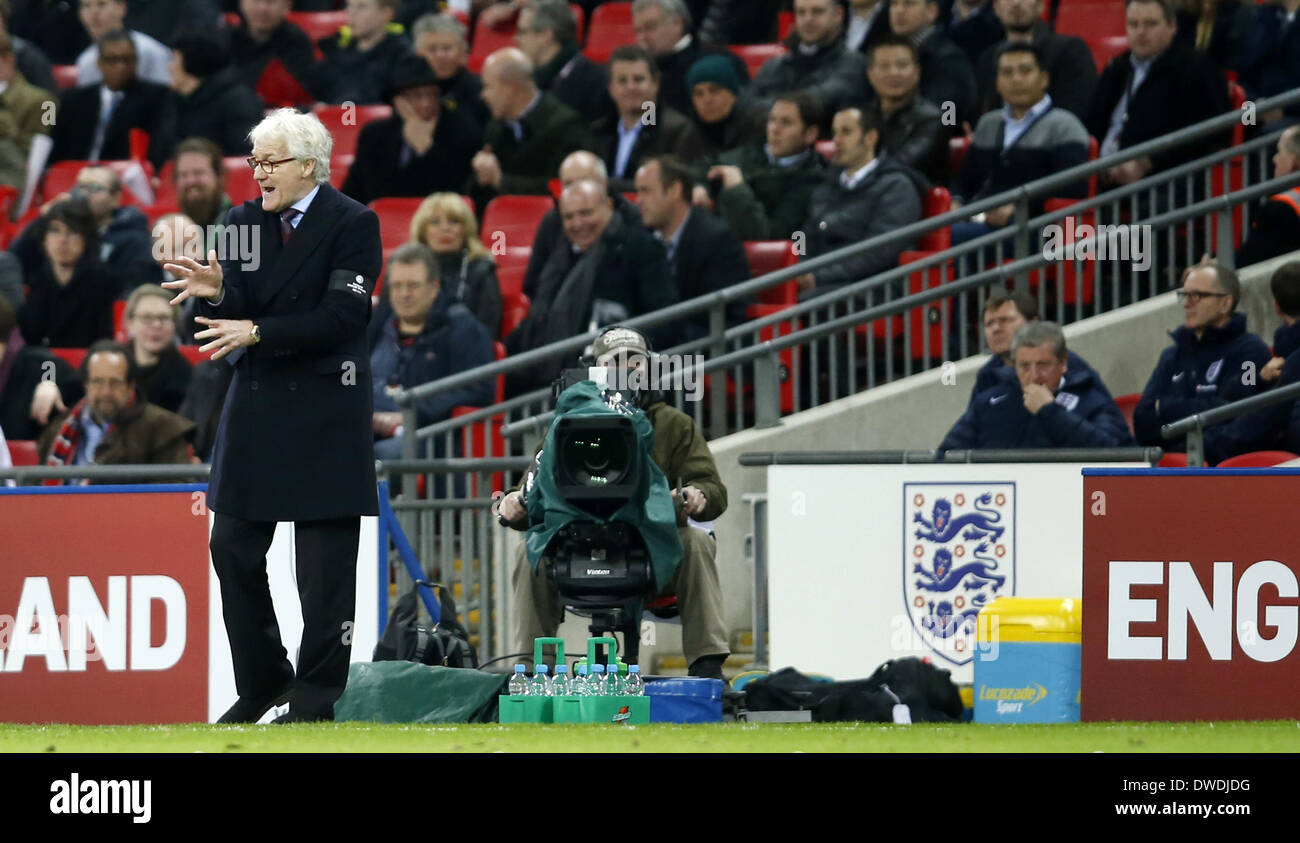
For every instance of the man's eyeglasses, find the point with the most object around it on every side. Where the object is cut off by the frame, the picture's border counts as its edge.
(1195, 296)
(92, 187)
(268, 167)
(153, 318)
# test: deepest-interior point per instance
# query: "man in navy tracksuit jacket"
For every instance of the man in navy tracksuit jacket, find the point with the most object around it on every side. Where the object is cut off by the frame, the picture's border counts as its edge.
(1207, 366)
(1267, 429)
(1040, 403)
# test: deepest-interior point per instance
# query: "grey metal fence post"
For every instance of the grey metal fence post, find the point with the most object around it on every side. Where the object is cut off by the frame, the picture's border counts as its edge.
(767, 391)
(718, 395)
(1196, 447)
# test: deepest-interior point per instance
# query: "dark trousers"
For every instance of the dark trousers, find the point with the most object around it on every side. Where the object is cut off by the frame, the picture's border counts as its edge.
(326, 553)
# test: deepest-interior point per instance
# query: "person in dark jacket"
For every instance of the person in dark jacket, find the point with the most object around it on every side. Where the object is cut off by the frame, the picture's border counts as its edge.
(428, 335)
(1041, 403)
(817, 63)
(606, 272)
(946, 73)
(972, 25)
(204, 402)
(912, 130)
(211, 101)
(358, 61)
(123, 246)
(1275, 222)
(440, 40)
(445, 224)
(94, 122)
(70, 303)
(1004, 314)
(113, 425)
(1214, 360)
(421, 149)
(1270, 56)
(35, 385)
(863, 196)
(868, 23)
(547, 33)
(1066, 58)
(636, 133)
(53, 28)
(763, 190)
(162, 373)
(1215, 29)
(530, 134)
(1267, 429)
(724, 120)
(663, 28)
(272, 54)
(578, 166)
(1171, 88)
(1028, 139)
(33, 64)
(704, 253)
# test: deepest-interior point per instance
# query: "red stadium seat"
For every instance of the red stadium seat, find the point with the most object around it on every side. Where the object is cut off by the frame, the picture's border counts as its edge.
(395, 215)
(1073, 287)
(344, 123)
(193, 355)
(1127, 404)
(65, 76)
(23, 452)
(611, 26)
(318, 25)
(1259, 459)
(1106, 47)
(754, 55)
(514, 309)
(119, 329)
(8, 198)
(515, 218)
(487, 40)
(512, 265)
(1090, 20)
(1173, 460)
(825, 148)
(957, 149)
(786, 357)
(937, 201)
(279, 88)
(73, 356)
(62, 177)
(926, 337)
(240, 186)
(339, 166)
(785, 24)
(766, 256)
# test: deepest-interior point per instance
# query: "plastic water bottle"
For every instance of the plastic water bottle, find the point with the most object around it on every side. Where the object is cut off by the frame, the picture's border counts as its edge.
(613, 682)
(580, 688)
(633, 685)
(560, 685)
(541, 686)
(596, 682)
(519, 682)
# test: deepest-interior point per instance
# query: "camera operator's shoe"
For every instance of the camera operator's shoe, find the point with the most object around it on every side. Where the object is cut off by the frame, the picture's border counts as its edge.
(251, 710)
(708, 667)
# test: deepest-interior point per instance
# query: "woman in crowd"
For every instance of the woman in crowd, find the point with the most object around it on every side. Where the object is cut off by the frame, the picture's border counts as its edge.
(445, 223)
(164, 374)
(70, 301)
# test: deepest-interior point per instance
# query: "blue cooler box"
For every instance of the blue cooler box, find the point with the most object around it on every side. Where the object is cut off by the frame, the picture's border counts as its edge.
(1027, 661)
(685, 700)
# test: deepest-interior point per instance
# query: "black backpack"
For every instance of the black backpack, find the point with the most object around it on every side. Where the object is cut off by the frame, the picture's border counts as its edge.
(926, 690)
(446, 643)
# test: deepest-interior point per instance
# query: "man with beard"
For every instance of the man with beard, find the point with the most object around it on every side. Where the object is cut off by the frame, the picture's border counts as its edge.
(200, 179)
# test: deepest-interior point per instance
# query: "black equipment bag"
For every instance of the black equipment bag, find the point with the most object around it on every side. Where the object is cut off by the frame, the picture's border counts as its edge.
(446, 643)
(926, 690)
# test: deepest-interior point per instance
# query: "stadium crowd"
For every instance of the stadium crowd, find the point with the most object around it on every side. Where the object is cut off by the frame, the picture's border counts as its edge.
(573, 165)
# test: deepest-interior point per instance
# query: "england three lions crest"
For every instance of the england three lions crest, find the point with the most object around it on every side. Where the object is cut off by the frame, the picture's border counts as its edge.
(958, 556)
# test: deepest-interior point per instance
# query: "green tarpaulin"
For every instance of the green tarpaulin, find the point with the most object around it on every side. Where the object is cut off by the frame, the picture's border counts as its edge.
(406, 692)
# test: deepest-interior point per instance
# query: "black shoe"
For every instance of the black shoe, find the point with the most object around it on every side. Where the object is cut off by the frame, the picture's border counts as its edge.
(250, 711)
(708, 667)
(295, 716)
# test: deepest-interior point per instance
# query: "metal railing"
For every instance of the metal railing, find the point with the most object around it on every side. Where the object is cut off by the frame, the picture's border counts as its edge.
(1193, 426)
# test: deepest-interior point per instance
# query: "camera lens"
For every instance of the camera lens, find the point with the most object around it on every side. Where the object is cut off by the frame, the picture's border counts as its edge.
(596, 458)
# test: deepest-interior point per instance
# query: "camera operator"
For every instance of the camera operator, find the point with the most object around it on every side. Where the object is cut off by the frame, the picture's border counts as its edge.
(682, 454)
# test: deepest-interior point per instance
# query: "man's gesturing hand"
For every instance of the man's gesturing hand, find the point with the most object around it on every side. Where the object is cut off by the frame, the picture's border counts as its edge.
(226, 335)
(193, 279)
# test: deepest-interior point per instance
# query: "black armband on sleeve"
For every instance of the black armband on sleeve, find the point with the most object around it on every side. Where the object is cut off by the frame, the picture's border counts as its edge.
(351, 282)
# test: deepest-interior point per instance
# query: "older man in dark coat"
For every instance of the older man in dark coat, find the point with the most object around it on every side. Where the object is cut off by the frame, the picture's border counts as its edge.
(294, 442)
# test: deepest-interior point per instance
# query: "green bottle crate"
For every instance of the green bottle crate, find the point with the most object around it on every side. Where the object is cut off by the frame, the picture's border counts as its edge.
(571, 709)
(525, 709)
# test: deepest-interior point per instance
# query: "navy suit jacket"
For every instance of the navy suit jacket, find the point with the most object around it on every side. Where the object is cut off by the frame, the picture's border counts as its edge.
(295, 442)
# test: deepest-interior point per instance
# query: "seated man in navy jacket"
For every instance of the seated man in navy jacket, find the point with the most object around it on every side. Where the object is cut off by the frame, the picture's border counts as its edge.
(1043, 404)
(1212, 362)
(1004, 315)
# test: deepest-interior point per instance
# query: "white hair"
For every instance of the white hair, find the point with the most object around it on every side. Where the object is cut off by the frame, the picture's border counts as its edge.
(305, 138)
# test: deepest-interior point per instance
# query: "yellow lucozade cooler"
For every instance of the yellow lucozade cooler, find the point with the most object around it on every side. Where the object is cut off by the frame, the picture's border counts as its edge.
(1027, 660)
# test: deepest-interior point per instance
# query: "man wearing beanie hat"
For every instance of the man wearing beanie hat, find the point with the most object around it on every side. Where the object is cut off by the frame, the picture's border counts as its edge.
(663, 28)
(683, 455)
(421, 149)
(723, 120)
(818, 62)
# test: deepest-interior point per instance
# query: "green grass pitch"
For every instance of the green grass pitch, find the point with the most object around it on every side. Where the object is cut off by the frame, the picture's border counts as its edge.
(723, 737)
